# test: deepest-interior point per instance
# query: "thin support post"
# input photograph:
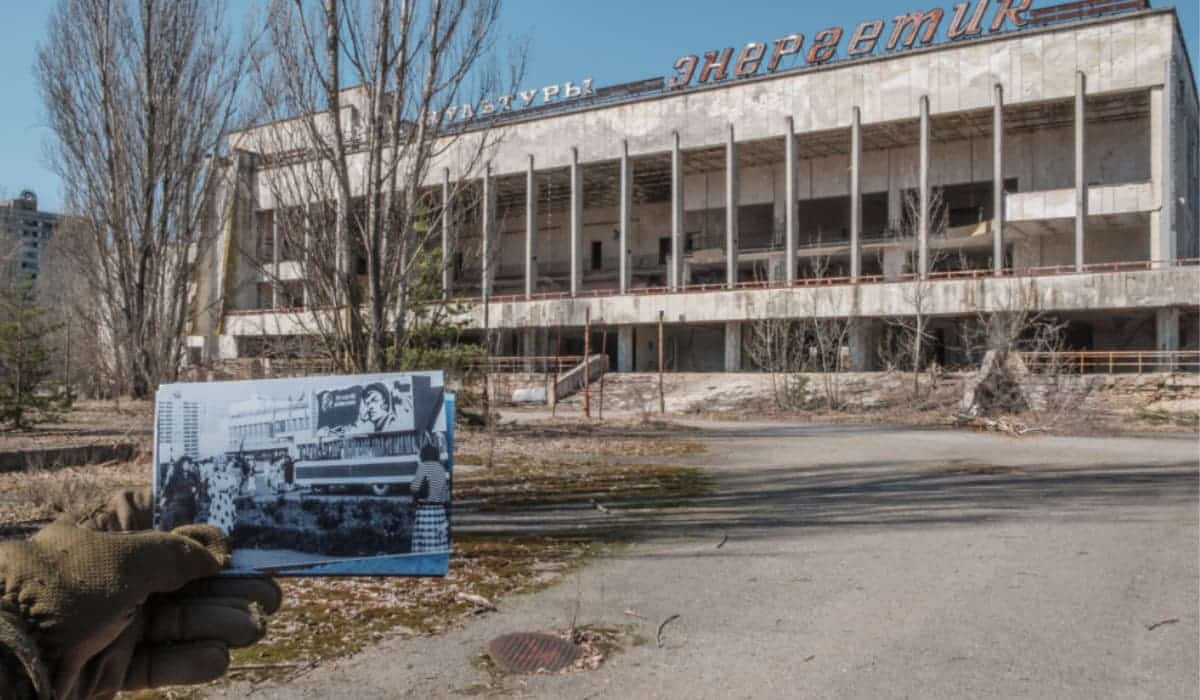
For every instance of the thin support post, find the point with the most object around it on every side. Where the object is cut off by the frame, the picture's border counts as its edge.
(662, 402)
(587, 362)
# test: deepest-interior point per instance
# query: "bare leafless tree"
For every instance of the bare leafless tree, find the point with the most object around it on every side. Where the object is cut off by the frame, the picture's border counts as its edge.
(140, 95)
(364, 91)
(907, 338)
(828, 335)
(777, 346)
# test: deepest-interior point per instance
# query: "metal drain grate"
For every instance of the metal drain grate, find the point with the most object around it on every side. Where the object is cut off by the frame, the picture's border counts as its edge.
(527, 652)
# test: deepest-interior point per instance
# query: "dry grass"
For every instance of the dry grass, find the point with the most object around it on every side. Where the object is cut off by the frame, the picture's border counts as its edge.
(31, 497)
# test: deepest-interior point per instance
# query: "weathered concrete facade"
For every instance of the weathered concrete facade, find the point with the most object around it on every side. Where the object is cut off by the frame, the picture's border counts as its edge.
(1068, 146)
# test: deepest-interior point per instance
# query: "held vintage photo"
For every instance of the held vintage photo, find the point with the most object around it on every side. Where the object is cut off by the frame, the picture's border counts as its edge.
(316, 475)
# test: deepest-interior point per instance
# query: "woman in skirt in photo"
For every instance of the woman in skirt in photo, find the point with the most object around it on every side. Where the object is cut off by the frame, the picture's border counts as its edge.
(431, 493)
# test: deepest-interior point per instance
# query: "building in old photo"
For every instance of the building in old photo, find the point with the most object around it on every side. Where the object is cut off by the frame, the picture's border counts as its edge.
(956, 155)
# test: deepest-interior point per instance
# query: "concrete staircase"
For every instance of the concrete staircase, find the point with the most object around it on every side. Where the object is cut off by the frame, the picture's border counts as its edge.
(571, 382)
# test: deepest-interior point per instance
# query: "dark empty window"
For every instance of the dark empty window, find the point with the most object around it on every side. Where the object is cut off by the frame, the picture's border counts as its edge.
(664, 249)
(597, 255)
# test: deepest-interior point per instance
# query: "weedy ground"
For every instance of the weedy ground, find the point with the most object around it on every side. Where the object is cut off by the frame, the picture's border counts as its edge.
(564, 465)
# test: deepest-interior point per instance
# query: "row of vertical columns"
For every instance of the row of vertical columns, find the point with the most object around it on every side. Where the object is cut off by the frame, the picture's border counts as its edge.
(487, 219)
(675, 274)
(275, 261)
(626, 216)
(531, 214)
(1081, 189)
(447, 237)
(791, 223)
(998, 180)
(923, 184)
(1162, 176)
(576, 222)
(731, 210)
(855, 193)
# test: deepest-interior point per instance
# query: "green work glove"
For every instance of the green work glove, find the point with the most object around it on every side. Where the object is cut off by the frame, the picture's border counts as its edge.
(89, 609)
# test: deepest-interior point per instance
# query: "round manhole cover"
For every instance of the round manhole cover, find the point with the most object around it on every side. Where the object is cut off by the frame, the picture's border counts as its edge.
(527, 652)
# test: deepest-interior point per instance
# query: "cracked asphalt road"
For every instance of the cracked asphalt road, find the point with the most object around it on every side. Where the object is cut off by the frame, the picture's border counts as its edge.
(868, 562)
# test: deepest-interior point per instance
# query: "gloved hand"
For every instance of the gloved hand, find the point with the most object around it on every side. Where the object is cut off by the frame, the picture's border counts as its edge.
(89, 612)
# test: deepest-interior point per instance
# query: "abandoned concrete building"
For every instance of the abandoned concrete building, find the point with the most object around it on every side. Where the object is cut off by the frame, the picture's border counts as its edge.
(1056, 153)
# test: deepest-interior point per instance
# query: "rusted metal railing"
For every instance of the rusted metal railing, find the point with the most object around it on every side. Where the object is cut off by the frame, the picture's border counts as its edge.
(1114, 361)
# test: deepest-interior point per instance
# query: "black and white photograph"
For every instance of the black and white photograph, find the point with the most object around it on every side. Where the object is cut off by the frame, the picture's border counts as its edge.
(315, 475)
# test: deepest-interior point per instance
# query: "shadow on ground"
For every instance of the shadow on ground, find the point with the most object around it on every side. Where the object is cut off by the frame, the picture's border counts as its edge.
(758, 502)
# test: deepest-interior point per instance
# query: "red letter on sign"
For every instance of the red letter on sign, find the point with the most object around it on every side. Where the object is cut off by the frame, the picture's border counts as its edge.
(713, 64)
(786, 46)
(913, 21)
(750, 59)
(1007, 11)
(825, 46)
(686, 65)
(866, 35)
(960, 11)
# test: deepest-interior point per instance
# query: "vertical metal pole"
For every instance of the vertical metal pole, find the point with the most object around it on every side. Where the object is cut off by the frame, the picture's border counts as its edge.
(557, 369)
(576, 221)
(791, 224)
(923, 216)
(587, 361)
(662, 403)
(855, 194)
(626, 215)
(603, 349)
(531, 213)
(674, 275)
(998, 180)
(1081, 188)
(731, 210)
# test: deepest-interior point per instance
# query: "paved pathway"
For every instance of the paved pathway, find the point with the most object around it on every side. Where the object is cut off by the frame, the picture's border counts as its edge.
(866, 562)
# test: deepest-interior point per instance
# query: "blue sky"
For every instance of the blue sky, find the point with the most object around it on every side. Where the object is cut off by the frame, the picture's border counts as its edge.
(613, 41)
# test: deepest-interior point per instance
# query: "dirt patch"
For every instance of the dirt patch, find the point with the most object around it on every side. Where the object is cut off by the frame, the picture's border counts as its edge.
(89, 423)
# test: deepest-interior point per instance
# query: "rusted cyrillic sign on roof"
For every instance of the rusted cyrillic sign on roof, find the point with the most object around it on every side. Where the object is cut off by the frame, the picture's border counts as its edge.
(907, 31)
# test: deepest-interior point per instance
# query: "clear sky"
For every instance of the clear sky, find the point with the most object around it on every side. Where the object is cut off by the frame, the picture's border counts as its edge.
(612, 42)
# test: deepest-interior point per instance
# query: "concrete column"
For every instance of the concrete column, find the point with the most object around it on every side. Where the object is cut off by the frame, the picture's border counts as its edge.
(1162, 217)
(1166, 329)
(675, 273)
(275, 259)
(308, 246)
(855, 194)
(625, 345)
(487, 225)
(626, 223)
(998, 179)
(894, 260)
(447, 237)
(1081, 188)
(576, 222)
(863, 340)
(923, 215)
(791, 222)
(529, 342)
(531, 214)
(733, 346)
(731, 210)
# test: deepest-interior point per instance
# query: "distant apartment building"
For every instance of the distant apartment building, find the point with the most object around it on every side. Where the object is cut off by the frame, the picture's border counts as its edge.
(24, 234)
(1052, 149)
(178, 428)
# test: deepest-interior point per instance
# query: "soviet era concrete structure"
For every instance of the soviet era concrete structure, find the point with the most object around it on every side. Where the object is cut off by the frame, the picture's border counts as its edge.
(24, 233)
(1058, 158)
